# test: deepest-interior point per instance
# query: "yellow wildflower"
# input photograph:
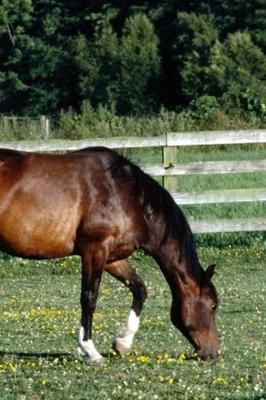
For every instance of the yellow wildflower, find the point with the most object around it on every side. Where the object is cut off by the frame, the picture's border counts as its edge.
(220, 379)
(181, 357)
(143, 359)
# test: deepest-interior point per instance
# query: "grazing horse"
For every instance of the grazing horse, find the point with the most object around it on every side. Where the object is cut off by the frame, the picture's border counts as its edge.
(96, 204)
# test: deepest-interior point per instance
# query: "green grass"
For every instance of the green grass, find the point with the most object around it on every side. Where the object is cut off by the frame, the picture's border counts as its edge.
(39, 312)
(200, 153)
(40, 316)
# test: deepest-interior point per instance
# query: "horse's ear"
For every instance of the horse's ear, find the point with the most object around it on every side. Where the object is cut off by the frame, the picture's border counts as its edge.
(209, 272)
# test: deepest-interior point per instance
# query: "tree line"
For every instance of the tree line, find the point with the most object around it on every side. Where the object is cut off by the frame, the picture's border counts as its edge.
(132, 57)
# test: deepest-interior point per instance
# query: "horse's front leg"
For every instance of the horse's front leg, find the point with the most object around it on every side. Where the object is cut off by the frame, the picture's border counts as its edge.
(91, 278)
(123, 272)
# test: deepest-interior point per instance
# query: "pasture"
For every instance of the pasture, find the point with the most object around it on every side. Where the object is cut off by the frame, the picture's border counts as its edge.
(39, 321)
(40, 312)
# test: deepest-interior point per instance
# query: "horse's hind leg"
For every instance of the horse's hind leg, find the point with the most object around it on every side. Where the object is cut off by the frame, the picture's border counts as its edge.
(123, 272)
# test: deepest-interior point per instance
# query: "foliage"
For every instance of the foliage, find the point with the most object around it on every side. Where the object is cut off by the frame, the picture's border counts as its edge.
(132, 58)
(140, 65)
(195, 37)
(203, 114)
(110, 68)
(237, 73)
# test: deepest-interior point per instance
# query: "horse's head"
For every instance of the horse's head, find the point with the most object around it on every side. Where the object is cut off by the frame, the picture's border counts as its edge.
(193, 313)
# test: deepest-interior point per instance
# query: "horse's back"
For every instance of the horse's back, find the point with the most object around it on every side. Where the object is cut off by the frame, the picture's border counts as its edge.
(49, 204)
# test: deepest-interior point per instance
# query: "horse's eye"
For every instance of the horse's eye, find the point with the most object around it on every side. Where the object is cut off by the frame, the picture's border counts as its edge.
(214, 306)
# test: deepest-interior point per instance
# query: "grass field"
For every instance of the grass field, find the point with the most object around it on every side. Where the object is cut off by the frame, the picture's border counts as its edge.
(39, 319)
(39, 315)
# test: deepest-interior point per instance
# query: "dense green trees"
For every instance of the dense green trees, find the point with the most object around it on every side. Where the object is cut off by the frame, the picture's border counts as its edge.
(132, 56)
(119, 71)
(236, 73)
(196, 35)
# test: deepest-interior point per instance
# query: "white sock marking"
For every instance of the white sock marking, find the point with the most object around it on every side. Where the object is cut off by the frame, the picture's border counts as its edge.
(133, 322)
(128, 331)
(87, 348)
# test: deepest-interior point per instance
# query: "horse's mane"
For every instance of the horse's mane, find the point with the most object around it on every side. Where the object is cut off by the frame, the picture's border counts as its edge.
(158, 202)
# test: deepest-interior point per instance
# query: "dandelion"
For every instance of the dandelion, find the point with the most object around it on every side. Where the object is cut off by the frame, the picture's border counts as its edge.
(65, 361)
(143, 359)
(181, 357)
(12, 367)
(220, 379)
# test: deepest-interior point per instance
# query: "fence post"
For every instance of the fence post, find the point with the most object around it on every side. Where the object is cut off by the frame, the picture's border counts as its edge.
(6, 125)
(169, 159)
(45, 126)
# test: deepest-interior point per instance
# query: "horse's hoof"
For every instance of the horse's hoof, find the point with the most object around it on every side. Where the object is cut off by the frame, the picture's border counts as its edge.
(120, 348)
(94, 359)
(81, 352)
(98, 360)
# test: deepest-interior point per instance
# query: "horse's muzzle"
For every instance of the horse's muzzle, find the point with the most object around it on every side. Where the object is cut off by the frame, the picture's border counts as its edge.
(208, 352)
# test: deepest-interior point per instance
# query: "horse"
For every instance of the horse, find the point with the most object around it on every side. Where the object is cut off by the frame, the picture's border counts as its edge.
(98, 205)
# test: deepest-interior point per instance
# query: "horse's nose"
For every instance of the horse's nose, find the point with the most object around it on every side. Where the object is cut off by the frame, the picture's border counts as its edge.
(208, 352)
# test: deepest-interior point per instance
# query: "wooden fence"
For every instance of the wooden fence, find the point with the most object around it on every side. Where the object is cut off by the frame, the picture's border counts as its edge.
(170, 169)
(41, 124)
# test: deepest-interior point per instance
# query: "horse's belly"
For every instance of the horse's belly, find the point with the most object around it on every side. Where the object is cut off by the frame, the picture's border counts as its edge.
(40, 234)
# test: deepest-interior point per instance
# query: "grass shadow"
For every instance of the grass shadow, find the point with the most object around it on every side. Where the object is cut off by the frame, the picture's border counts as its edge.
(51, 356)
(37, 355)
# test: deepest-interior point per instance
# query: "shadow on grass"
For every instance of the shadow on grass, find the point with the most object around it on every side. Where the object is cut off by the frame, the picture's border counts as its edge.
(61, 356)
(29, 355)
(70, 357)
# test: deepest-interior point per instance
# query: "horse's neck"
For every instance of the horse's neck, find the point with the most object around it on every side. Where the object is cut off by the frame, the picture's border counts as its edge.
(174, 265)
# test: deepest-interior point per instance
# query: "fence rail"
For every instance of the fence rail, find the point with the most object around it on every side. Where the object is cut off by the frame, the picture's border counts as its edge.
(220, 196)
(166, 140)
(206, 167)
(228, 225)
(169, 168)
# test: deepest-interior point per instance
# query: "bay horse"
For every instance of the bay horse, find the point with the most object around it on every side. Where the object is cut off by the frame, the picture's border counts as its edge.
(97, 204)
